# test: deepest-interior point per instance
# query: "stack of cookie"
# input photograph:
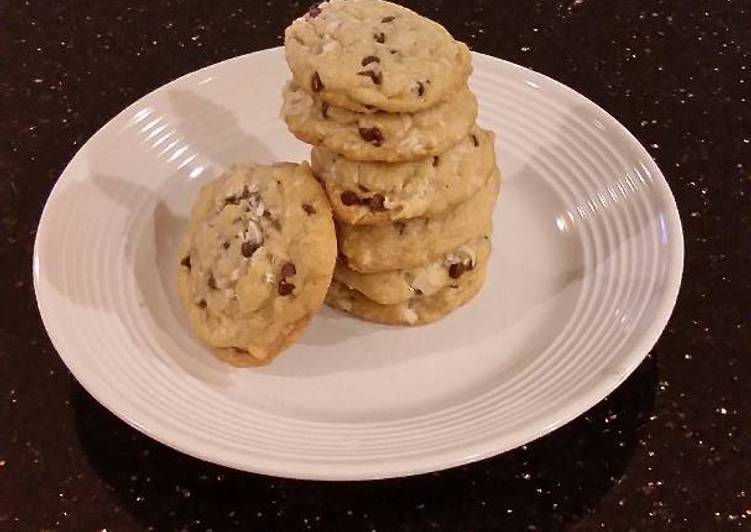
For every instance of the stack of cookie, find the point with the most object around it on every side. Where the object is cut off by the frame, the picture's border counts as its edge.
(381, 93)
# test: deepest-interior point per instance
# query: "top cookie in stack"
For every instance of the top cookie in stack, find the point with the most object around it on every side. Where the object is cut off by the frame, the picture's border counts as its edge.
(381, 93)
(367, 54)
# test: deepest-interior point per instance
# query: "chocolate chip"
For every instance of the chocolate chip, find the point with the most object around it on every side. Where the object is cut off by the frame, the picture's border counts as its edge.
(202, 303)
(376, 77)
(325, 109)
(457, 270)
(185, 262)
(308, 208)
(315, 82)
(248, 248)
(370, 59)
(420, 88)
(288, 269)
(284, 288)
(372, 135)
(314, 10)
(212, 282)
(349, 198)
(436, 160)
(401, 227)
(387, 19)
(380, 37)
(475, 141)
(225, 244)
(376, 203)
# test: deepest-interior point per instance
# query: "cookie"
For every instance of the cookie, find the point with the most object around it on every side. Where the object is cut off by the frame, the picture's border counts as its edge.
(418, 241)
(399, 286)
(416, 311)
(375, 193)
(240, 357)
(257, 260)
(378, 136)
(366, 54)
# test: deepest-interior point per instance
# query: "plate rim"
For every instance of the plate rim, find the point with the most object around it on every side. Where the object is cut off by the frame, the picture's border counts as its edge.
(435, 461)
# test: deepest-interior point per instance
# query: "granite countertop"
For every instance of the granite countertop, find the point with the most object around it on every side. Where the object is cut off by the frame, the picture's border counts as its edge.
(669, 450)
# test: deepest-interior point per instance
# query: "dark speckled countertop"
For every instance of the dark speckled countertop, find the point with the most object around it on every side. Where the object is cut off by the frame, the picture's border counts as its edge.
(669, 450)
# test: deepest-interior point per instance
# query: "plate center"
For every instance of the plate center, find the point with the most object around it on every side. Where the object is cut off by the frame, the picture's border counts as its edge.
(347, 370)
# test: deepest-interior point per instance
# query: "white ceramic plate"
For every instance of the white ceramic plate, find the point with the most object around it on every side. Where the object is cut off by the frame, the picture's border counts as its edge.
(587, 263)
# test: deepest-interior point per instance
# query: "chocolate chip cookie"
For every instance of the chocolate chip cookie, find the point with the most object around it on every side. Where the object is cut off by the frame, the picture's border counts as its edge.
(417, 310)
(370, 54)
(399, 286)
(257, 260)
(375, 193)
(412, 243)
(378, 136)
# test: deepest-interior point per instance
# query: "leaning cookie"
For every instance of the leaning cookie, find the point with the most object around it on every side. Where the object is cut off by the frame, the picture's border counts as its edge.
(418, 310)
(257, 260)
(379, 136)
(376, 193)
(400, 286)
(365, 54)
(414, 242)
